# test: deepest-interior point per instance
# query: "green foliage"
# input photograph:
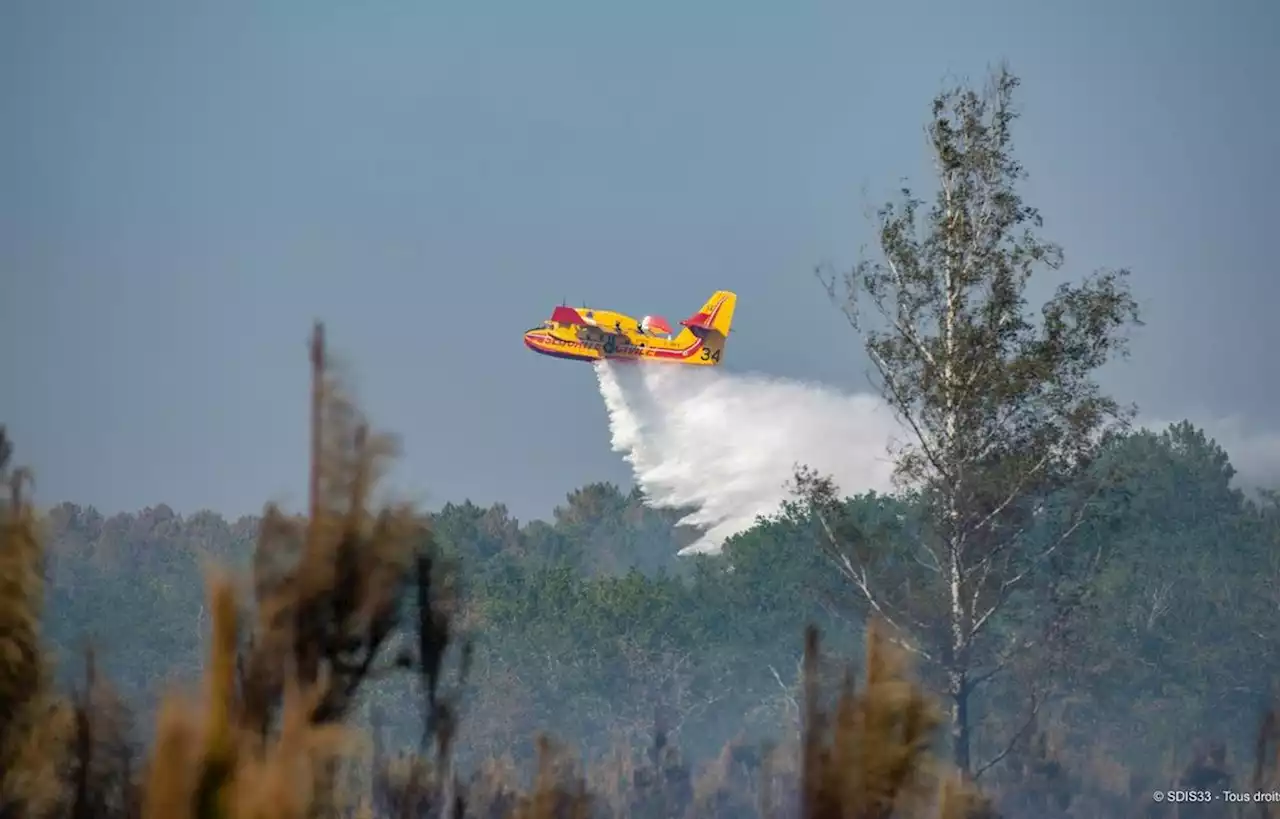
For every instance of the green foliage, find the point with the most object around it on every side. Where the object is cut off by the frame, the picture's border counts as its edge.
(1165, 648)
(1004, 415)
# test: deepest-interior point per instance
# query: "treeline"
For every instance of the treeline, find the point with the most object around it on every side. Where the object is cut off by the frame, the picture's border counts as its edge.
(587, 625)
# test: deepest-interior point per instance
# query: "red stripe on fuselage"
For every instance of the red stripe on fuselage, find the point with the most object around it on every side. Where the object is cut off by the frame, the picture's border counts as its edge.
(537, 342)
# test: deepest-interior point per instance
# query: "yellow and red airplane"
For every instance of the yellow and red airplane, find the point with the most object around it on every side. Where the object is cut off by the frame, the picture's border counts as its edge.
(584, 334)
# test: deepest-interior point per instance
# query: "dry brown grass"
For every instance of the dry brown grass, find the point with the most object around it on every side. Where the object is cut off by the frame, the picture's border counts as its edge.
(34, 724)
(352, 591)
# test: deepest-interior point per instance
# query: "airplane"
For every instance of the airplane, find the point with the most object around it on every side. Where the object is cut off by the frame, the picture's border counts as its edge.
(585, 334)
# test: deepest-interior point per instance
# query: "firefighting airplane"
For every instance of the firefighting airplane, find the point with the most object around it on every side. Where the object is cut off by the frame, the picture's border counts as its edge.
(584, 334)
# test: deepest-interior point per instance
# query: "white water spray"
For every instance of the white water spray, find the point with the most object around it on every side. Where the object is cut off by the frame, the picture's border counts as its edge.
(726, 444)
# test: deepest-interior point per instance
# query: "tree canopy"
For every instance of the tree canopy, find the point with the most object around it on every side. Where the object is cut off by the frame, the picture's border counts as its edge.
(588, 623)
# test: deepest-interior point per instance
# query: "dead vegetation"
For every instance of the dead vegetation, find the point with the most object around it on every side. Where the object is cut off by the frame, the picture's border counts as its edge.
(354, 591)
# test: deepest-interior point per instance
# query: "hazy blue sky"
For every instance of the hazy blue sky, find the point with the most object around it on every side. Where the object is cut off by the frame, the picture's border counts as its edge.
(185, 186)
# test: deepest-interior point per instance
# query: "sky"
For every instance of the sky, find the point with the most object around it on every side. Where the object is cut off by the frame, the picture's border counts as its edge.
(185, 187)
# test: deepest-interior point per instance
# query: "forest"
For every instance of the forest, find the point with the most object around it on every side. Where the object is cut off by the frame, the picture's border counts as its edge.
(1060, 615)
(589, 628)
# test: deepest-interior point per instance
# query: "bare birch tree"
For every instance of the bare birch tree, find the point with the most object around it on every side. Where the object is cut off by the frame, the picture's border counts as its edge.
(1002, 412)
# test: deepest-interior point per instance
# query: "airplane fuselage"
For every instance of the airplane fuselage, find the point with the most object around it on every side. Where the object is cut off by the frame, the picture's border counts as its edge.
(614, 336)
(585, 334)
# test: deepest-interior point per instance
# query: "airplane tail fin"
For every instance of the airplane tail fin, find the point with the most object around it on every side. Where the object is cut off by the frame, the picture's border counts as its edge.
(711, 325)
(716, 315)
